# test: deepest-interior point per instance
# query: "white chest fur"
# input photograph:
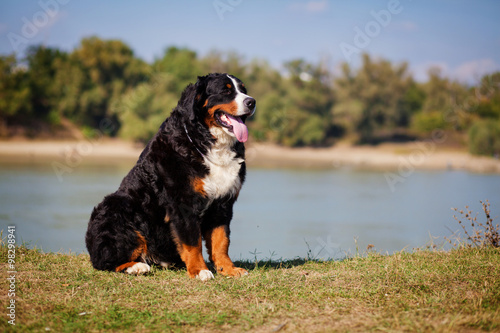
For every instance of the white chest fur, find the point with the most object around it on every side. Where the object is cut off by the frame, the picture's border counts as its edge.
(224, 167)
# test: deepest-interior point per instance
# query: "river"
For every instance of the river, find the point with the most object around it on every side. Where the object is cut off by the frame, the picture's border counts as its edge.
(280, 214)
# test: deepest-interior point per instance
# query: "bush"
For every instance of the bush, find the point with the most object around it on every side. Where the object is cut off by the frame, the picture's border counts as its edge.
(483, 234)
(426, 122)
(484, 138)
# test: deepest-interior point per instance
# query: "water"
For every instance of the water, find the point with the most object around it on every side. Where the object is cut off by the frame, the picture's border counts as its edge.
(281, 213)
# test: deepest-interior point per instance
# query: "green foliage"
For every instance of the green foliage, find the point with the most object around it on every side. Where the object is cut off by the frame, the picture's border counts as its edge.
(94, 77)
(298, 112)
(42, 71)
(142, 110)
(426, 122)
(382, 96)
(102, 81)
(15, 93)
(447, 105)
(488, 95)
(182, 65)
(484, 137)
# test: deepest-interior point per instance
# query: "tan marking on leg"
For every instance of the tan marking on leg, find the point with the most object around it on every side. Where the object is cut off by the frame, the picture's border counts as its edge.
(192, 256)
(140, 251)
(217, 247)
(125, 265)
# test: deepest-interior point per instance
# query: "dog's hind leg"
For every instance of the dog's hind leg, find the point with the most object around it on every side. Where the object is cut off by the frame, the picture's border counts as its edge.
(115, 246)
(135, 266)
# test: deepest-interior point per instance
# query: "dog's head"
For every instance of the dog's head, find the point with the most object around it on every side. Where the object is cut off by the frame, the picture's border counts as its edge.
(221, 102)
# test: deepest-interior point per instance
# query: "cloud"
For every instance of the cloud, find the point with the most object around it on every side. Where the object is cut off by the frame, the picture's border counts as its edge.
(468, 72)
(312, 6)
(406, 26)
(472, 71)
(59, 15)
(421, 71)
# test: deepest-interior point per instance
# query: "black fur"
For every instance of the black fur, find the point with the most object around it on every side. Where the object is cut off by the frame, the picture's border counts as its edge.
(156, 199)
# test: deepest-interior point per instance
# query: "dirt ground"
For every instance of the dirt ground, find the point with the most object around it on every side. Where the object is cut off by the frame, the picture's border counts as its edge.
(402, 158)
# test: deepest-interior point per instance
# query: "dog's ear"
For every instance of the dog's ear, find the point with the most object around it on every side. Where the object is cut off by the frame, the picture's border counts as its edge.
(201, 92)
(193, 98)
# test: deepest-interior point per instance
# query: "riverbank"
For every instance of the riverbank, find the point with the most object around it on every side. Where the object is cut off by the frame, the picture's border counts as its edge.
(400, 157)
(453, 291)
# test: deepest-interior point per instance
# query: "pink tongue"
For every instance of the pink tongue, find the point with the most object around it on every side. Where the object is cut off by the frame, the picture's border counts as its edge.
(239, 129)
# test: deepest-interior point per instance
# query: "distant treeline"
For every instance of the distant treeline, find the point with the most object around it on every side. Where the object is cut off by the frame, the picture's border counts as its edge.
(102, 85)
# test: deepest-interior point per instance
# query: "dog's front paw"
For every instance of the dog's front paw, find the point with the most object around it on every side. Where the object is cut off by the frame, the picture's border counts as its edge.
(233, 271)
(138, 268)
(205, 275)
(239, 272)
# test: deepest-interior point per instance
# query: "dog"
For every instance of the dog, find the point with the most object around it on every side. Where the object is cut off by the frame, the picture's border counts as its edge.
(181, 190)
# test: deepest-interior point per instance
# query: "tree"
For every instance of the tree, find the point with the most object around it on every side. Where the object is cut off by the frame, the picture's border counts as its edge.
(15, 93)
(487, 94)
(224, 62)
(42, 64)
(484, 137)
(94, 77)
(376, 98)
(142, 110)
(446, 105)
(484, 133)
(182, 65)
(311, 99)
(294, 110)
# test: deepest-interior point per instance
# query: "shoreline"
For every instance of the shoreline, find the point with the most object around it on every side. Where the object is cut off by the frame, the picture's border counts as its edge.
(403, 158)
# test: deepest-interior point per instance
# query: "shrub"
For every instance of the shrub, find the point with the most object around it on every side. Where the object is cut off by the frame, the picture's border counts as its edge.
(484, 138)
(483, 234)
(426, 122)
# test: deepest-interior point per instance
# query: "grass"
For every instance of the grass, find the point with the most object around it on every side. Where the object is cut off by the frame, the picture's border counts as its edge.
(427, 290)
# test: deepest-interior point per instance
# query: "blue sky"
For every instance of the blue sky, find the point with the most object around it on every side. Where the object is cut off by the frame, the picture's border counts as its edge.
(462, 37)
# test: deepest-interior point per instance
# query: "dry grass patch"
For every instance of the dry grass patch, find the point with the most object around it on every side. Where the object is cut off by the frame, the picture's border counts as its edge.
(458, 290)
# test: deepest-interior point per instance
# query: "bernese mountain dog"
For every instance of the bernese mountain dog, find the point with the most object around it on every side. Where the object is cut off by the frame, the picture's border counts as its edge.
(181, 190)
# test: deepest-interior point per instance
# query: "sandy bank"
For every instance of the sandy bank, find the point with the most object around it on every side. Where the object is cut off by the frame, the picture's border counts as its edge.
(399, 157)
(105, 150)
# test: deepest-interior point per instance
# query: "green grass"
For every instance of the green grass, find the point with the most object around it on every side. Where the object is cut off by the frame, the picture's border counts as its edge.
(456, 290)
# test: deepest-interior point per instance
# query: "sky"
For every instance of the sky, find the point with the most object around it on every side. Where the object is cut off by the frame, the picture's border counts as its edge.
(461, 37)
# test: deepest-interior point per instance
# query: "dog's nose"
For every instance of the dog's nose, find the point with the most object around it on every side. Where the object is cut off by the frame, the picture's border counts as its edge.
(249, 103)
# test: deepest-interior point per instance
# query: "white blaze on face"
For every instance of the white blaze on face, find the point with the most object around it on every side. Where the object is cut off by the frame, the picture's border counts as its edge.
(240, 98)
(238, 130)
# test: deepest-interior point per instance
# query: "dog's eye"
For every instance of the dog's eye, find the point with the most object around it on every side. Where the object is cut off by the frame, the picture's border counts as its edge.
(226, 92)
